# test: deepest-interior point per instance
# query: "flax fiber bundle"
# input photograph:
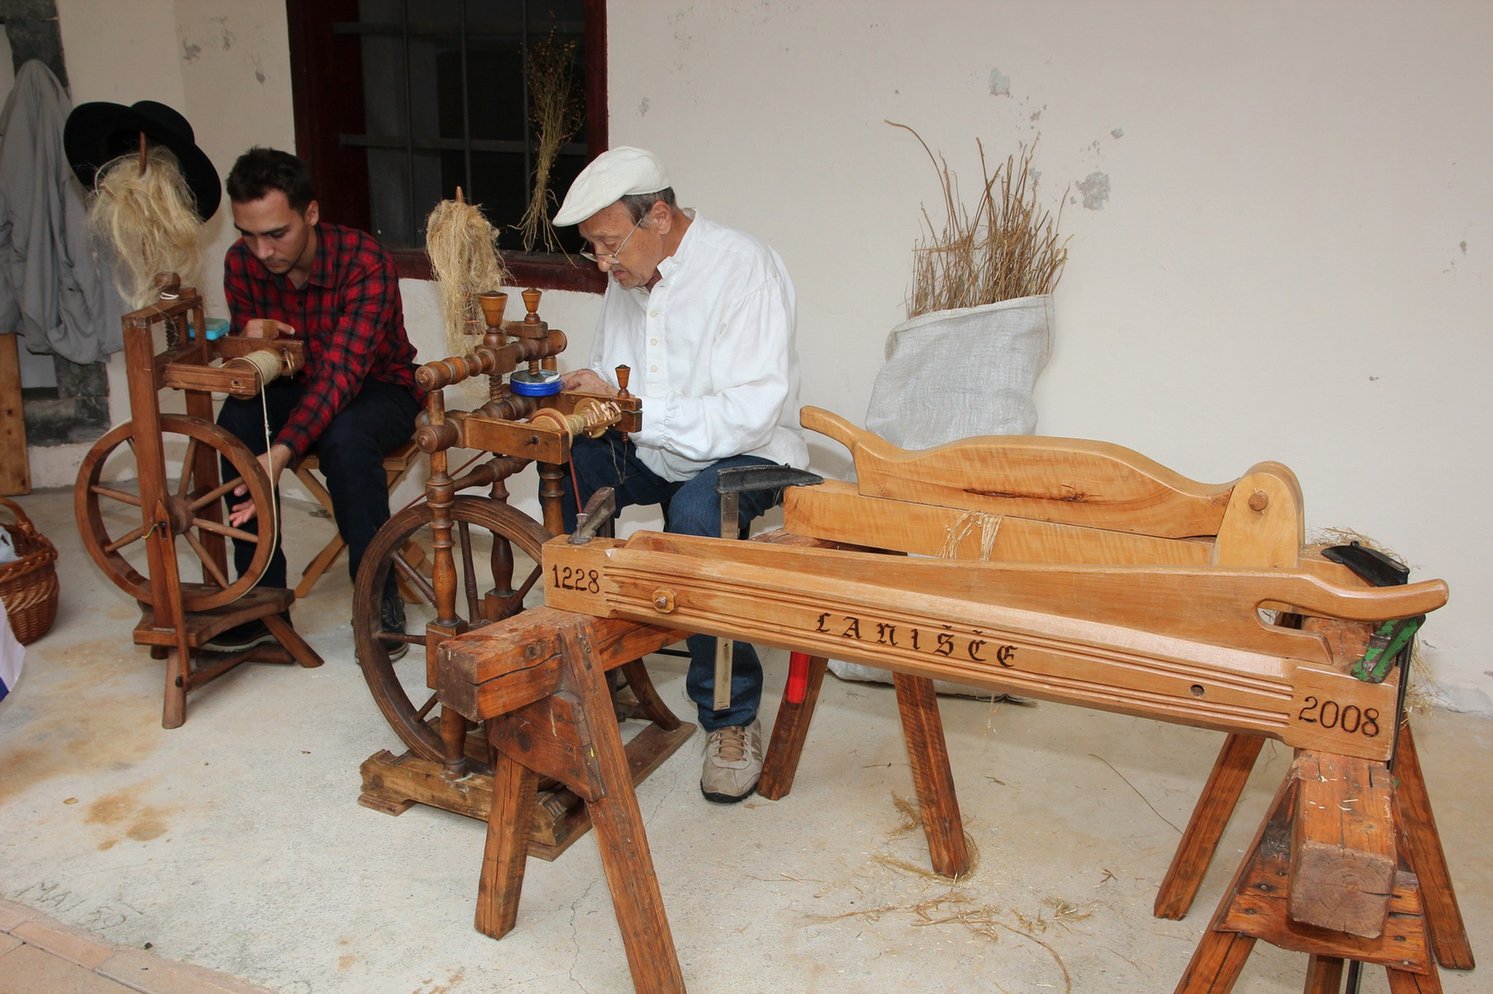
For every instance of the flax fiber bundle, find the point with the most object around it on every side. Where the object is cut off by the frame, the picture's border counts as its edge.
(463, 250)
(150, 222)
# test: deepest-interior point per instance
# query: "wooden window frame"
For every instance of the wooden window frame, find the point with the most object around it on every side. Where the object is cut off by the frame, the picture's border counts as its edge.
(325, 108)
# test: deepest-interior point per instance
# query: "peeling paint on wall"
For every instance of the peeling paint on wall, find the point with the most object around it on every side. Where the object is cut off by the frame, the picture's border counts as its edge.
(1000, 84)
(1095, 190)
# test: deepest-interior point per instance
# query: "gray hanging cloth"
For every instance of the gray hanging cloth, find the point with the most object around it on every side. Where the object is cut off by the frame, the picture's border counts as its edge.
(52, 288)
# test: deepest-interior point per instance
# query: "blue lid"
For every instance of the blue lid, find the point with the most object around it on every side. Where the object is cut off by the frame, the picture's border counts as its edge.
(216, 328)
(545, 383)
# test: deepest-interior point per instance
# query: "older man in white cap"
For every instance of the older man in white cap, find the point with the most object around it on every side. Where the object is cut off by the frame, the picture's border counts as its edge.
(704, 317)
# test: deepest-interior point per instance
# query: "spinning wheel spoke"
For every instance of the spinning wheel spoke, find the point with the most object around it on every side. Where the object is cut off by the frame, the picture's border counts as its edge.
(123, 496)
(529, 581)
(416, 579)
(218, 528)
(430, 702)
(482, 531)
(117, 548)
(214, 495)
(184, 484)
(126, 539)
(209, 564)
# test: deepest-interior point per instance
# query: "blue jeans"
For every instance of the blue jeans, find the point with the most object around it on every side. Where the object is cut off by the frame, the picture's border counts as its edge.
(690, 508)
(375, 422)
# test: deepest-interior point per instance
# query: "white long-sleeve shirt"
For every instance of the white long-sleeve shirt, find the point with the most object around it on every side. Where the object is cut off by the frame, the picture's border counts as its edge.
(712, 353)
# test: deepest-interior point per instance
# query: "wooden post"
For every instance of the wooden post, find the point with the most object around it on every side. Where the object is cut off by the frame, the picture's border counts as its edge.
(15, 466)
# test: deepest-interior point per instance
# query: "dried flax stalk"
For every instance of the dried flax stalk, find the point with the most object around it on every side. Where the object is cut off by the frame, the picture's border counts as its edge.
(1007, 248)
(556, 115)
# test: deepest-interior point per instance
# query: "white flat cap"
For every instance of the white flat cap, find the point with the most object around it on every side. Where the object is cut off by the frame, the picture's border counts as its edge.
(612, 175)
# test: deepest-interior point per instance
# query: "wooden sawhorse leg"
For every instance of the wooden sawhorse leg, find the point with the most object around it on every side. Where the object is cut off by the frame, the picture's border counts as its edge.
(1257, 906)
(927, 757)
(571, 736)
(789, 732)
(1214, 808)
(1422, 846)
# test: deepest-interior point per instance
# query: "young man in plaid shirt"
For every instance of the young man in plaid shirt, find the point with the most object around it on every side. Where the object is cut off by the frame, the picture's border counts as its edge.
(335, 289)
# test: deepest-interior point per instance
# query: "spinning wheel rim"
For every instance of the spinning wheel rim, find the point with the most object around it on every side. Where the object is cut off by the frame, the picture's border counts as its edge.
(183, 502)
(409, 718)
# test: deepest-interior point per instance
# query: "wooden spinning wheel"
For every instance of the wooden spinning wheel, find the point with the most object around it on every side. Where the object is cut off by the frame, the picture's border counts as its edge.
(132, 533)
(485, 557)
(117, 542)
(485, 536)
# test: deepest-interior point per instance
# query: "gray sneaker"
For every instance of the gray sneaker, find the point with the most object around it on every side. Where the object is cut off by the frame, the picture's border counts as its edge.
(733, 763)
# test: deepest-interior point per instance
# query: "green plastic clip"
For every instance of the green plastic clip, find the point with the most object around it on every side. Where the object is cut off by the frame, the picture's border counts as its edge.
(1385, 645)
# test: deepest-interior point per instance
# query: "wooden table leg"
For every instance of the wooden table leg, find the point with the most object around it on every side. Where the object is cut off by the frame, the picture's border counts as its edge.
(1216, 963)
(1324, 974)
(928, 756)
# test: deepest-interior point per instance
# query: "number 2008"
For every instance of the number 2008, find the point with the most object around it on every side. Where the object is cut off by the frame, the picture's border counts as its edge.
(1350, 718)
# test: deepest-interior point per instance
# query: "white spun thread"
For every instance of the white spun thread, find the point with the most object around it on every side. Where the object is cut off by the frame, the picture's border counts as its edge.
(266, 366)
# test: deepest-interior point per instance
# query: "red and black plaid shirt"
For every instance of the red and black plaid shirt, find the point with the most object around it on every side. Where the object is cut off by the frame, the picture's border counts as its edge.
(349, 314)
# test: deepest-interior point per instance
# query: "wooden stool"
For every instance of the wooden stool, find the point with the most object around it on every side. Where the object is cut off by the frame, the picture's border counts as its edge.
(397, 465)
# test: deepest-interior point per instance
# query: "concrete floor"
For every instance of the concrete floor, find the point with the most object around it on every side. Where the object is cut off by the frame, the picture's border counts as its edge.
(236, 843)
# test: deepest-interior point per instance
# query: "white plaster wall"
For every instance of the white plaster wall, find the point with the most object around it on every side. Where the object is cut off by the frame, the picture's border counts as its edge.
(1277, 212)
(1278, 215)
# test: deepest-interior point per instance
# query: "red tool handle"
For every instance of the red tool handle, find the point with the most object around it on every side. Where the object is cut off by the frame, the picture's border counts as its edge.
(798, 678)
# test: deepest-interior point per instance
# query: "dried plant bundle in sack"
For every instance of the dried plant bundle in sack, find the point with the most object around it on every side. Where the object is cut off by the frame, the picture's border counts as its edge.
(1006, 247)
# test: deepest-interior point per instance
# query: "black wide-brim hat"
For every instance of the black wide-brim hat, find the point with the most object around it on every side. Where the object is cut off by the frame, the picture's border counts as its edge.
(97, 133)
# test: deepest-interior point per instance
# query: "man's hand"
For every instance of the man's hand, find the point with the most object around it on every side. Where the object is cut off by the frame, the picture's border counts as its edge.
(586, 381)
(267, 328)
(273, 463)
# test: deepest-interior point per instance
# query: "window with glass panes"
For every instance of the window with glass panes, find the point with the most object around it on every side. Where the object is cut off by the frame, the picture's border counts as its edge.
(400, 102)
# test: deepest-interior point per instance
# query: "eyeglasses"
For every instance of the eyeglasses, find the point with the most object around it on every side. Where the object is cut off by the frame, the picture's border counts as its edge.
(610, 258)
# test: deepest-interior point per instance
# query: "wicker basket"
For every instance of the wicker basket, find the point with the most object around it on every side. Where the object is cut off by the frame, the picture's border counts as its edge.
(28, 583)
